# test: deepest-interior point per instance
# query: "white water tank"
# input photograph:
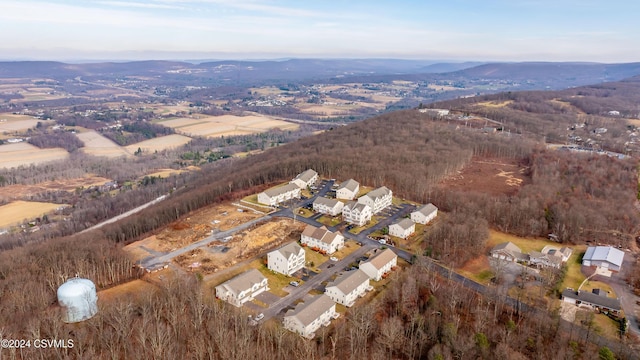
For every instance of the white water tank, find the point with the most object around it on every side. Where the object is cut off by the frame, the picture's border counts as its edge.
(79, 299)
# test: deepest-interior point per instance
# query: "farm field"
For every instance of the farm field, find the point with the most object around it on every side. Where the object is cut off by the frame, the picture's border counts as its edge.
(159, 143)
(15, 122)
(225, 125)
(15, 212)
(98, 145)
(14, 155)
(14, 192)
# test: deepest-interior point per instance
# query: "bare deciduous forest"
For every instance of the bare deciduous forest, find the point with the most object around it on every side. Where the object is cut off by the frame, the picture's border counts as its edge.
(419, 315)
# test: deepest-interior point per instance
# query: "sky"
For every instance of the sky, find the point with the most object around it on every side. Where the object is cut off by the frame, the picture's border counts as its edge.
(455, 30)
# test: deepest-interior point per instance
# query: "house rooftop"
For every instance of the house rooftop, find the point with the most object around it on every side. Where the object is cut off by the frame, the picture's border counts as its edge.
(281, 190)
(321, 234)
(306, 175)
(350, 185)
(326, 201)
(244, 281)
(378, 193)
(427, 209)
(310, 310)
(604, 253)
(354, 205)
(291, 248)
(349, 281)
(382, 258)
(405, 224)
(598, 300)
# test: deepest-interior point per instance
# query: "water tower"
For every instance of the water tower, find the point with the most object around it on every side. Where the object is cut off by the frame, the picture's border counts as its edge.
(79, 299)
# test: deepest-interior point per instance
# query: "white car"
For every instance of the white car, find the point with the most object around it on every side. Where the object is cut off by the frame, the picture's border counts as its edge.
(333, 258)
(259, 317)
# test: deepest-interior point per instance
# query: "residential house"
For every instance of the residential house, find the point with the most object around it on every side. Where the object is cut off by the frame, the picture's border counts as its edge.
(596, 301)
(277, 195)
(508, 251)
(287, 259)
(322, 239)
(346, 288)
(380, 264)
(305, 179)
(545, 260)
(307, 317)
(606, 257)
(328, 206)
(377, 199)
(242, 288)
(348, 190)
(356, 213)
(424, 214)
(403, 228)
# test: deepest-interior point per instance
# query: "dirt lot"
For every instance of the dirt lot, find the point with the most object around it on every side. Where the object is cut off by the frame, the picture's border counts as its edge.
(13, 192)
(245, 245)
(490, 176)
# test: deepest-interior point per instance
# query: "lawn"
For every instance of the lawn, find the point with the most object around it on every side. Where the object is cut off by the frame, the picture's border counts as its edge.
(349, 247)
(305, 212)
(574, 276)
(314, 258)
(277, 281)
(525, 244)
(356, 230)
(329, 221)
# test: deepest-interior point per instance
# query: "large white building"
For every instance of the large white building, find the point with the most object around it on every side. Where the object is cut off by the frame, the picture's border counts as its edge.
(356, 213)
(242, 288)
(424, 214)
(328, 206)
(377, 199)
(287, 259)
(403, 228)
(380, 264)
(346, 288)
(277, 195)
(305, 179)
(348, 190)
(309, 316)
(321, 238)
(605, 257)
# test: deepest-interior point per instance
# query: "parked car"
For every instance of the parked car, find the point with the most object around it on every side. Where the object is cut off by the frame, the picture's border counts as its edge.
(333, 258)
(294, 283)
(259, 317)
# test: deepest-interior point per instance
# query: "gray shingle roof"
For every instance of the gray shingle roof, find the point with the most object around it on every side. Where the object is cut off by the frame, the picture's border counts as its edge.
(290, 249)
(378, 193)
(382, 258)
(598, 300)
(326, 201)
(405, 224)
(349, 281)
(306, 175)
(312, 309)
(244, 281)
(427, 209)
(281, 190)
(350, 185)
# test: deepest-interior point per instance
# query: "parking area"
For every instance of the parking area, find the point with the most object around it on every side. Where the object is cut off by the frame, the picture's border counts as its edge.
(267, 297)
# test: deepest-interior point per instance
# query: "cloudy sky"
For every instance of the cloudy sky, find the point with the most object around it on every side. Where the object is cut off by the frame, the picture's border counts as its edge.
(500, 30)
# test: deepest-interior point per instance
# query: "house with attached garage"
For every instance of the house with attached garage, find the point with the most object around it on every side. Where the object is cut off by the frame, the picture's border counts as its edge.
(509, 251)
(605, 257)
(348, 190)
(380, 264)
(595, 300)
(305, 179)
(277, 195)
(424, 214)
(356, 213)
(328, 206)
(287, 259)
(346, 288)
(242, 288)
(309, 316)
(377, 199)
(403, 228)
(322, 239)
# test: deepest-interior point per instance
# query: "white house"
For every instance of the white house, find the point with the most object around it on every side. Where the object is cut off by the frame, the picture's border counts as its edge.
(356, 213)
(380, 264)
(346, 288)
(606, 257)
(348, 190)
(287, 259)
(307, 317)
(403, 228)
(509, 251)
(328, 206)
(242, 288)
(305, 179)
(275, 196)
(424, 214)
(322, 239)
(545, 260)
(377, 199)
